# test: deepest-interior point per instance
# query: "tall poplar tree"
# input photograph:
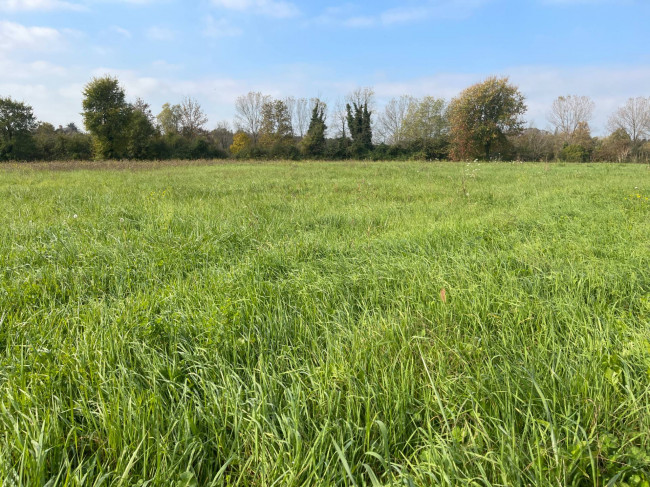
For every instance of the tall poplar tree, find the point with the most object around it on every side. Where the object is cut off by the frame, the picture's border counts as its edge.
(360, 126)
(313, 144)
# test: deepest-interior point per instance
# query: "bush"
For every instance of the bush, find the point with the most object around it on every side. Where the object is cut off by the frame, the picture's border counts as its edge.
(574, 153)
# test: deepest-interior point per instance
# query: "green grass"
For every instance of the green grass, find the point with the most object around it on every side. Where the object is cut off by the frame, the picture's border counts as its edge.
(282, 324)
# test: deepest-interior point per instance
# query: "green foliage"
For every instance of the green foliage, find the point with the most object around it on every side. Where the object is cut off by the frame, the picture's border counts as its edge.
(425, 123)
(282, 324)
(618, 146)
(574, 153)
(313, 144)
(107, 116)
(482, 117)
(62, 144)
(275, 130)
(16, 123)
(140, 132)
(169, 119)
(360, 126)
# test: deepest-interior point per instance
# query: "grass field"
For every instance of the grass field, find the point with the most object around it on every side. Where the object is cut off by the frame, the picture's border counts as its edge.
(283, 324)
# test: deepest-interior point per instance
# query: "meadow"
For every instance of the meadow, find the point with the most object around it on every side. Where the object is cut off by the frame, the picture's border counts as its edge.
(318, 323)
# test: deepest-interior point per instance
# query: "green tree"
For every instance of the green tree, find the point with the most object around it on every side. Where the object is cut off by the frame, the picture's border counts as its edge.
(360, 126)
(482, 117)
(313, 144)
(106, 116)
(141, 131)
(17, 121)
(617, 147)
(45, 140)
(425, 127)
(574, 153)
(169, 119)
(275, 129)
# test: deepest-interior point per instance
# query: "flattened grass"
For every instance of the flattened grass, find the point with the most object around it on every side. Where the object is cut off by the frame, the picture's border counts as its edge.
(282, 324)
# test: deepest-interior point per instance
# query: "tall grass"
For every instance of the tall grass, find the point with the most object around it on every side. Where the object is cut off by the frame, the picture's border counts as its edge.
(282, 324)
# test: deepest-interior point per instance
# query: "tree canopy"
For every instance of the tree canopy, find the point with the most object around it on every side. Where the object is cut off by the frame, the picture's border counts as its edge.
(314, 143)
(17, 121)
(483, 115)
(106, 115)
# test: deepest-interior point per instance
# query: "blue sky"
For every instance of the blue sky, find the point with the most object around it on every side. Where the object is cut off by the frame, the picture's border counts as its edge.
(215, 50)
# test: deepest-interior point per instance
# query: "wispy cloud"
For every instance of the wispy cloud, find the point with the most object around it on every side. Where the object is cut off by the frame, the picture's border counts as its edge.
(121, 31)
(269, 8)
(216, 28)
(157, 33)
(14, 36)
(75, 5)
(36, 5)
(348, 15)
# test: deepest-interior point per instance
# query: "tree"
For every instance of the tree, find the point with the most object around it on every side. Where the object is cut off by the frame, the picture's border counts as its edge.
(106, 116)
(275, 128)
(301, 113)
(482, 117)
(223, 135)
(568, 112)
(17, 121)
(240, 143)
(313, 144)
(633, 118)
(617, 147)
(534, 144)
(141, 131)
(362, 96)
(390, 123)
(249, 113)
(169, 119)
(360, 125)
(425, 127)
(191, 118)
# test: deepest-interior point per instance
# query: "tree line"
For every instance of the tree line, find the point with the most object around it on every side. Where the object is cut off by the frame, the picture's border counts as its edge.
(485, 121)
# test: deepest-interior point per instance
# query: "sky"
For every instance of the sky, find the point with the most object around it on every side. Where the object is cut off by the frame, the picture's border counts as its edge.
(217, 50)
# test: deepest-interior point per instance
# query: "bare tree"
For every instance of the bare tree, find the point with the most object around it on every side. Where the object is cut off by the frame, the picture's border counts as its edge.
(340, 118)
(390, 123)
(568, 112)
(633, 117)
(143, 107)
(223, 134)
(534, 144)
(249, 113)
(302, 113)
(362, 96)
(192, 118)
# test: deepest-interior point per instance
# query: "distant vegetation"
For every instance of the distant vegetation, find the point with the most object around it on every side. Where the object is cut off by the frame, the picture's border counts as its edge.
(485, 121)
(304, 324)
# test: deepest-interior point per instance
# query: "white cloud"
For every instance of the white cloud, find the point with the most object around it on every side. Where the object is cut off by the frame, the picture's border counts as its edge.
(121, 31)
(18, 5)
(55, 92)
(270, 8)
(17, 36)
(348, 15)
(49, 5)
(157, 33)
(216, 28)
